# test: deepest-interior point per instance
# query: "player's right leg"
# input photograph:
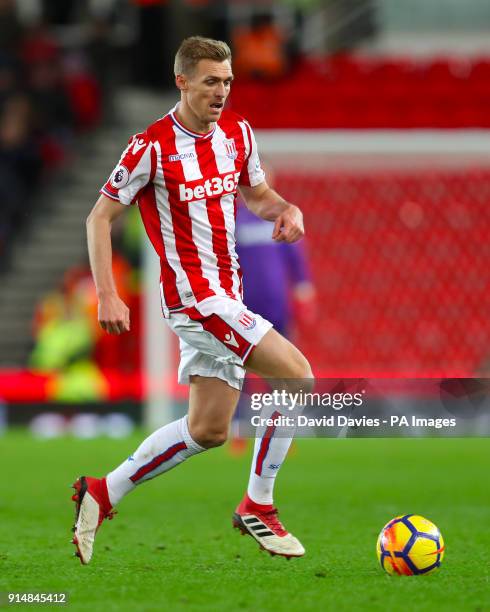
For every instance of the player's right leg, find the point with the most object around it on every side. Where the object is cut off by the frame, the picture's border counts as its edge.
(92, 506)
(96, 497)
(211, 405)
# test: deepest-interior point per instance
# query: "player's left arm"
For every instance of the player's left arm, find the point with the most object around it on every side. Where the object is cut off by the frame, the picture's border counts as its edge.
(266, 203)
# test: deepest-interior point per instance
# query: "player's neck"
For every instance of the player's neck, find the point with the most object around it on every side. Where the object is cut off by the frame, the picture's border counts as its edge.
(190, 120)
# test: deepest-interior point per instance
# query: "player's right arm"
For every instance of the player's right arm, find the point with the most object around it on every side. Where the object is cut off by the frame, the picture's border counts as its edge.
(130, 176)
(113, 313)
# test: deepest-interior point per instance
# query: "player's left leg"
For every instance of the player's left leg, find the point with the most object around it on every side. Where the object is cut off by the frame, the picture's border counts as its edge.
(239, 445)
(278, 360)
(211, 405)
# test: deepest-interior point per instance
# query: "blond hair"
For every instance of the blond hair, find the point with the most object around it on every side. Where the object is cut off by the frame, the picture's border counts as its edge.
(197, 48)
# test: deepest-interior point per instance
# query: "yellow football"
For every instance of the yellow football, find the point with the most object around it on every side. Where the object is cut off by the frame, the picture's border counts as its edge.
(410, 545)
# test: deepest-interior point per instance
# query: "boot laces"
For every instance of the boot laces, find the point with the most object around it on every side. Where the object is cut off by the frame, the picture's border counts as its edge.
(273, 521)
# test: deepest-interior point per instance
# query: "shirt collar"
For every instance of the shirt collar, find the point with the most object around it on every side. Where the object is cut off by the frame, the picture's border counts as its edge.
(186, 130)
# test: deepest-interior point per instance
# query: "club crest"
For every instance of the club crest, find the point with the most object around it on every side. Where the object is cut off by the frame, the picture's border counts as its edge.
(230, 148)
(247, 320)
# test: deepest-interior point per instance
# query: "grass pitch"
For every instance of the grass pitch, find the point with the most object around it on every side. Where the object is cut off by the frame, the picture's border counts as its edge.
(172, 546)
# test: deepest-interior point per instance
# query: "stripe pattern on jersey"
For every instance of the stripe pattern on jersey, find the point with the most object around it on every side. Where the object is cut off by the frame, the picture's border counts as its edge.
(186, 188)
(192, 285)
(214, 209)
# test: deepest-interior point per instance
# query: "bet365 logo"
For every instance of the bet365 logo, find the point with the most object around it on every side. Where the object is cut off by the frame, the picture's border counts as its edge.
(210, 188)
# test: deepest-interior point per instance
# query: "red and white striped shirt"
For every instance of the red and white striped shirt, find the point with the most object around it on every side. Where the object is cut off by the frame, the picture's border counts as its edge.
(186, 186)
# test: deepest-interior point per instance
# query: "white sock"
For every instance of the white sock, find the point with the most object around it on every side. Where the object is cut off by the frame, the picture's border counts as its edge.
(270, 450)
(161, 451)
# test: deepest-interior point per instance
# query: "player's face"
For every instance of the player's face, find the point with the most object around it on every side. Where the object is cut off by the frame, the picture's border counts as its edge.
(207, 89)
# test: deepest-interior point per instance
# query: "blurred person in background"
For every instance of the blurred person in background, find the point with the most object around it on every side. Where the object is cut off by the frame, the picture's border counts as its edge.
(71, 345)
(83, 93)
(65, 341)
(260, 50)
(20, 163)
(41, 104)
(104, 63)
(11, 30)
(276, 277)
(46, 87)
(48, 93)
(9, 80)
(276, 284)
(15, 154)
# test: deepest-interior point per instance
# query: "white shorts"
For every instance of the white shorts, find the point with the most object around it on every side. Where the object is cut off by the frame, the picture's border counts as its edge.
(216, 337)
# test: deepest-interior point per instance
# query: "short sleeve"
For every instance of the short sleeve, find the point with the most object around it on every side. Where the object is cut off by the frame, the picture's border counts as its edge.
(133, 172)
(252, 173)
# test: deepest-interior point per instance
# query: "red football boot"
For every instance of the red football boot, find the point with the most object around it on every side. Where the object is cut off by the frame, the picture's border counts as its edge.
(262, 523)
(92, 507)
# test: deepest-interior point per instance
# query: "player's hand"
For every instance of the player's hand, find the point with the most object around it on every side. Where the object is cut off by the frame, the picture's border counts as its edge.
(289, 225)
(113, 315)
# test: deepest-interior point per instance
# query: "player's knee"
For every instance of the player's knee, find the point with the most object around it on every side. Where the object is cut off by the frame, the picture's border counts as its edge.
(209, 438)
(308, 382)
(213, 439)
(302, 376)
(309, 378)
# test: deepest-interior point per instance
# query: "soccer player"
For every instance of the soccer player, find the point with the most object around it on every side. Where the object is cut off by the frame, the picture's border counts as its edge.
(184, 172)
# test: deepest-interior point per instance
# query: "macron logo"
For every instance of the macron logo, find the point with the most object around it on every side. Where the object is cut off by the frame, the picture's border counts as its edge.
(181, 156)
(231, 340)
(210, 188)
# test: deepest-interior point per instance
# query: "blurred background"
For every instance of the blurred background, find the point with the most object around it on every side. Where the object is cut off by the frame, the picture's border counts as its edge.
(372, 115)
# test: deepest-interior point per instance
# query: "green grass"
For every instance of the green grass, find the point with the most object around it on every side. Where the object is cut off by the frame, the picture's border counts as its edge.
(172, 547)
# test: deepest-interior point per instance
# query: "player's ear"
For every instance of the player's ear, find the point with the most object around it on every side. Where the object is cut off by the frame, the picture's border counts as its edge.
(181, 82)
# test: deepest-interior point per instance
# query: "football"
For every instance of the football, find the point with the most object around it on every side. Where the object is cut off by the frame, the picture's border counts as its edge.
(410, 545)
